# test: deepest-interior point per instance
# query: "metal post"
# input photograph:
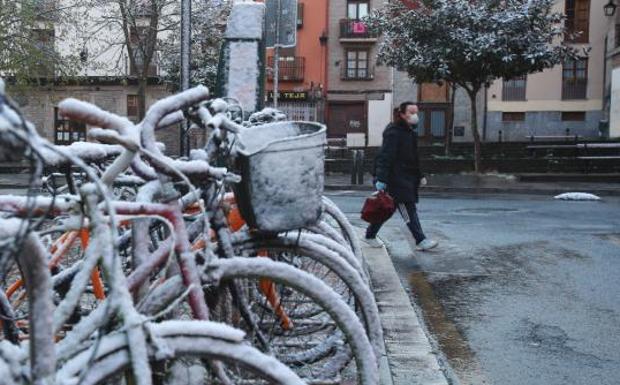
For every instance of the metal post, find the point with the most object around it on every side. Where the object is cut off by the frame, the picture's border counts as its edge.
(186, 10)
(276, 56)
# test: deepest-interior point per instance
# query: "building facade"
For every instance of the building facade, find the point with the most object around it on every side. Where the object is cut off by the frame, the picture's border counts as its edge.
(565, 100)
(579, 97)
(106, 78)
(359, 93)
(302, 72)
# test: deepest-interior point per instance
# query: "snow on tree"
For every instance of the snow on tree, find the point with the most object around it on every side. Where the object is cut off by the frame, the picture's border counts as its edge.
(208, 22)
(470, 43)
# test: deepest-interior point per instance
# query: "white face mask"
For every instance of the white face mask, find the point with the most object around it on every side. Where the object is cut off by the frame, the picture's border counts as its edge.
(414, 119)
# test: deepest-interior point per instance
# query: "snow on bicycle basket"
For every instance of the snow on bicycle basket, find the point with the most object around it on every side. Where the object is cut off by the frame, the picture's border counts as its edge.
(282, 170)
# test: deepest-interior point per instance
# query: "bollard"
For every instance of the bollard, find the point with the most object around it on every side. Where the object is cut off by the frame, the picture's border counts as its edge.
(360, 166)
(353, 166)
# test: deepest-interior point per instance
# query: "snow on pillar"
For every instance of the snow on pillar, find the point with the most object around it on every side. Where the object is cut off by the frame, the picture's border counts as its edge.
(243, 70)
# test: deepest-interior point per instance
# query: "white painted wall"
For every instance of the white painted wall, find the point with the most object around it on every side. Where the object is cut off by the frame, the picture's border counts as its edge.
(614, 111)
(379, 115)
(107, 55)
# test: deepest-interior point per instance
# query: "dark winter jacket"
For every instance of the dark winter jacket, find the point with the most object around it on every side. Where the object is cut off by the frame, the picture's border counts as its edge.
(398, 164)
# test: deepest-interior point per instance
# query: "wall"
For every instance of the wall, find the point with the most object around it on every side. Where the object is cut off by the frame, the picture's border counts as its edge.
(382, 74)
(614, 113)
(309, 46)
(379, 114)
(544, 92)
(405, 89)
(462, 113)
(541, 123)
(106, 57)
(38, 107)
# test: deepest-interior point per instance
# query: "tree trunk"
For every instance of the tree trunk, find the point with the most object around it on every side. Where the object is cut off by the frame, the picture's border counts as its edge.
(474, 128)
(450, 126)
(142, 80)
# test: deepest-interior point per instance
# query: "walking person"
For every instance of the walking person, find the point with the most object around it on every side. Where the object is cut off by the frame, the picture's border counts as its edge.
(397, 171)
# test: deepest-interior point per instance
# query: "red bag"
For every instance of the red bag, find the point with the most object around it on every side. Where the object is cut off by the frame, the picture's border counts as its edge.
(378, 207)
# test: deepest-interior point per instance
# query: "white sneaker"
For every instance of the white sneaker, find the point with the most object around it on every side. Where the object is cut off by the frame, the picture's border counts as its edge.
(427, 244)
(373, 242)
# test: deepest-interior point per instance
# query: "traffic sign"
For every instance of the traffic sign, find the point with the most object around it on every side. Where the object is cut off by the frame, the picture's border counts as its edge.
(281, 30)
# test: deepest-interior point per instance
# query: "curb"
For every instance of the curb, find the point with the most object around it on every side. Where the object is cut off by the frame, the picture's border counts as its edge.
(485, 190)
(409, 358)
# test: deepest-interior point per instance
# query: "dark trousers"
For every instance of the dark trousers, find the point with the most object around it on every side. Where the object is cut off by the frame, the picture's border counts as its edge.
(410, 215)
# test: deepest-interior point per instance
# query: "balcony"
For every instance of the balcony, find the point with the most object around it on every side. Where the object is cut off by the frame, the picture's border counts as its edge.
(352, 30)
(290, 68)
(514, 89)
(364, 74)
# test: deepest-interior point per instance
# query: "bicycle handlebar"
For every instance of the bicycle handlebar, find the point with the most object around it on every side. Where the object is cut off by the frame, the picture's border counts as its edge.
(164, 107)
(94, 116)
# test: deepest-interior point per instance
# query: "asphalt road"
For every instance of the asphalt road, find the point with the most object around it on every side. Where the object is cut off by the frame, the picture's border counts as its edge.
(521, 290)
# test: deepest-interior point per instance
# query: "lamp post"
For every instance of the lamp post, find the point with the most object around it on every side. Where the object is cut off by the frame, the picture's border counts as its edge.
(610, 8)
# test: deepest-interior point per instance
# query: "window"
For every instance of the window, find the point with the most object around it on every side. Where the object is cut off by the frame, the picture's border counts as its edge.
(514, 89)
(574, 79)
(138, 39)
(300, 15)
(357, 10)
(578, 19)
(357, 65)
(513, 116)
(44, 42)
(67, 131)
(573, 116)
(132, 106)
(617, 36)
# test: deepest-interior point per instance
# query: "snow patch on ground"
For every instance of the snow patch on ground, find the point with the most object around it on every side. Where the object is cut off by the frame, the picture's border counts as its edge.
(577, 196)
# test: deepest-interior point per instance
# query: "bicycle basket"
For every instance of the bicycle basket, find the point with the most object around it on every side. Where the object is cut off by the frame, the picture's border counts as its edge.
(282, 169)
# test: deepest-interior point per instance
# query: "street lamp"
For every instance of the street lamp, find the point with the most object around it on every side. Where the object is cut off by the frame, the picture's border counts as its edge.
(609, 8)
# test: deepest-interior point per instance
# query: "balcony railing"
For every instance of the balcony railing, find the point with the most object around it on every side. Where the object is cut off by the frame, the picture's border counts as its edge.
(514, 89)
(574, 89)
(355, 29)
(290, 68)
(357, 73)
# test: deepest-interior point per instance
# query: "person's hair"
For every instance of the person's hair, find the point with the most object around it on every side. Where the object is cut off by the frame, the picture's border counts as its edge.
(401, 109)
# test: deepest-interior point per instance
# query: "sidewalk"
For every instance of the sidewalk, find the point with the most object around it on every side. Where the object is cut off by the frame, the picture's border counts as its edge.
(410, 358)
(490, 184)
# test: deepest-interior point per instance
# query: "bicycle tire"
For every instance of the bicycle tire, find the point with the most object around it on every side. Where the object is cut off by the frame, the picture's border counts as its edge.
(174, 340)
(305, 248)
(330, 209)
(343, 316)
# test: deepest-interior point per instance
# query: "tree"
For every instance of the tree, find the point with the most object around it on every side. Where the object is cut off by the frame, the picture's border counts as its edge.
(28, 31)
(128, 33)
(208, 22)
(470, 43)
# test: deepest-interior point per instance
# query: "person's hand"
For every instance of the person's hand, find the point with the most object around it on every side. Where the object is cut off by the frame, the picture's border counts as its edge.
(380, 186)
(423, 181)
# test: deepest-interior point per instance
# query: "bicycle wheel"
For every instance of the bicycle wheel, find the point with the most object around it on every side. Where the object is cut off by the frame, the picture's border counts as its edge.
(335, 217)
(295, 287)
(328, 266)
(174, 340)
